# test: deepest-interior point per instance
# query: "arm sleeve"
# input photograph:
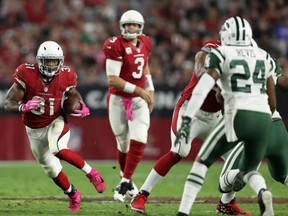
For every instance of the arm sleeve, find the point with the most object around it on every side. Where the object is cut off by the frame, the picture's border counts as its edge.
(20, 77)
(113, 67)
(204, 86)
(71, 77)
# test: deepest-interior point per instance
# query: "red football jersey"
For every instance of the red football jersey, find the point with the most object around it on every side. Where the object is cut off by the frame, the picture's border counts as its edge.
(134, 59)
(210, 103)
(51, 94)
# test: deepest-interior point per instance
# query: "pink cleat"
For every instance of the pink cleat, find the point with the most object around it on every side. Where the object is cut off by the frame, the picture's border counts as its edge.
(75, 202)
(97, 180)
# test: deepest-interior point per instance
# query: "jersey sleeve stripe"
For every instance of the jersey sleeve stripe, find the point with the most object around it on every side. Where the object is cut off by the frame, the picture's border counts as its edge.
(21, 83)
(219, 55)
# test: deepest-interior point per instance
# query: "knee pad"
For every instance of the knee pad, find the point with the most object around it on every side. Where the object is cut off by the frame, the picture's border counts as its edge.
(224, 185)
(53, 168)
(52, 172)
(122, 144)
(227, 180)
(182, 150)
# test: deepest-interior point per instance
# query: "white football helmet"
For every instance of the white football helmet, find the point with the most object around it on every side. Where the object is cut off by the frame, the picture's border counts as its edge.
(131, 16)
(49, 50)
(236, 31)
(253, 43)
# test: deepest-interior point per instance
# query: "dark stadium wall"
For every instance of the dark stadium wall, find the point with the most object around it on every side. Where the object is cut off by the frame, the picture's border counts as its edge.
(91, 137)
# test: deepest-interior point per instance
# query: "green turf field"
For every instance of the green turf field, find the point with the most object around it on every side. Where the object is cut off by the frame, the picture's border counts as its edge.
(25, 190)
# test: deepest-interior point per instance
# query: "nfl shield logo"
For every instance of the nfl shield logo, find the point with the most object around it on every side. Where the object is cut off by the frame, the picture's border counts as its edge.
(45, 89)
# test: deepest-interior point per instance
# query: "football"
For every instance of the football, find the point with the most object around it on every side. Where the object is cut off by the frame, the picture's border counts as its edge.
(70, 104)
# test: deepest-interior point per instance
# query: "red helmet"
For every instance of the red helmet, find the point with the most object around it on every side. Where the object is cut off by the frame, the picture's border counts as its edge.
(210, 44)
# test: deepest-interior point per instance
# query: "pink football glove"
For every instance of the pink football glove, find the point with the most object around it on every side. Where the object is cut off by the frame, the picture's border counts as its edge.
(83, 112)
(32, 104)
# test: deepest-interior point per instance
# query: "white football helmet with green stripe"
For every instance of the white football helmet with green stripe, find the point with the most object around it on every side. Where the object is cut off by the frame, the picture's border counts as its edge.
(236, 31)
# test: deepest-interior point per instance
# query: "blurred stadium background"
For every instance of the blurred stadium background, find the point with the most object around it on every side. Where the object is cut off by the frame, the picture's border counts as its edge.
(178, 30)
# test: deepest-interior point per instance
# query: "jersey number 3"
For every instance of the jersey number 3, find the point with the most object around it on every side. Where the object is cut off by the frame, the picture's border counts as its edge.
(140, 62)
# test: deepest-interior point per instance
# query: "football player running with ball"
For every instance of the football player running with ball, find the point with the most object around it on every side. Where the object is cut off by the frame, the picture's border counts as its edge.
(131, 96)
(37, 92)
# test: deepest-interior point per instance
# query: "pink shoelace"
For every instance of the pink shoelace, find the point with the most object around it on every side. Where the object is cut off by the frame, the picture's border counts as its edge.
(127, 103)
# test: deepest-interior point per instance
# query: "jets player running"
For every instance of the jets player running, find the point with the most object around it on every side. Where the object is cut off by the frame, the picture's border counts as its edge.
(276, 153)
(37, 93)
(214, 146)
(244, 75)
(206, 117)
(131, 96)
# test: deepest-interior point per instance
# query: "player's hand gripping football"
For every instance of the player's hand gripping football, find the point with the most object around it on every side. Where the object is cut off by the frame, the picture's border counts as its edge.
(184, 131)
(83, 112)
(32, 104)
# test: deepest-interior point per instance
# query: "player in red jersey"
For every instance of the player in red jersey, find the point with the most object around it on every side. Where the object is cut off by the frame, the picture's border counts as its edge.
(206, 118)
(131, 96)
(37, 92)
